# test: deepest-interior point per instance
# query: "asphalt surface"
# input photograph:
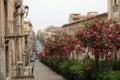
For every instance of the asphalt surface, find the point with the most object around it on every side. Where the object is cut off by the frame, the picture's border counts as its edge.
(41, 71)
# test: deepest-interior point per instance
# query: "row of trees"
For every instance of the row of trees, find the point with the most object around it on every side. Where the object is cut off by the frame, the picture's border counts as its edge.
(99, 36)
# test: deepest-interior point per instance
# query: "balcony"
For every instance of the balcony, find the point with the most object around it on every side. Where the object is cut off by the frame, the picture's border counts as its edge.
(23, 74)
(12, 30)
(115, 8)
(15, 36)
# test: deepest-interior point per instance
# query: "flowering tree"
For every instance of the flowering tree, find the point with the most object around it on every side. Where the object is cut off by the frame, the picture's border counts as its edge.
(99, 37)
(61, 46)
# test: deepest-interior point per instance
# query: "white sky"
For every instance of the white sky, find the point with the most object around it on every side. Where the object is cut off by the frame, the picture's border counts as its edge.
(43, 13)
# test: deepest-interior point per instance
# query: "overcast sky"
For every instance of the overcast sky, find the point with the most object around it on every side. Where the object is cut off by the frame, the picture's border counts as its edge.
(43, 13)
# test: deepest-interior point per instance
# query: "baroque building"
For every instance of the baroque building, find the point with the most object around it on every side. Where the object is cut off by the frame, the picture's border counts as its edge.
(77, 17)
(49, 32)
(28, 46)
(71, 27)
(114, 9)
(11, 37)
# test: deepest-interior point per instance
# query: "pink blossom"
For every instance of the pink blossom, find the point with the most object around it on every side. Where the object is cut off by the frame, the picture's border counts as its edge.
(104, 28)
(95, 33)
(98, 37)
(88, 68)
(110, 36)
(106, 44)
(92, 23)
(95, 19)
(117, 32)
(118, 39)
(79, 31)
(105, 21)
(88, 35)
(91, 30)
(109, 30)
(108, 58)
(97, 26)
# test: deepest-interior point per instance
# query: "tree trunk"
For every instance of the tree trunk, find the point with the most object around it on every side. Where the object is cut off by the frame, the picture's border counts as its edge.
(97, 61)
(115, 56)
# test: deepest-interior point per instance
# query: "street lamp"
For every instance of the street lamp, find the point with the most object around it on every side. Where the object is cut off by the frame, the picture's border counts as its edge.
(23, 13)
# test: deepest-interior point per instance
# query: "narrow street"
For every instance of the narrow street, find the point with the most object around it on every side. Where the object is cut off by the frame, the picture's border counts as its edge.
(39, 45)
(41, 71)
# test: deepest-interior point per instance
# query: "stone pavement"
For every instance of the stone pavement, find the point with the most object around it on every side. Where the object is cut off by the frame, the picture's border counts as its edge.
(42, 72)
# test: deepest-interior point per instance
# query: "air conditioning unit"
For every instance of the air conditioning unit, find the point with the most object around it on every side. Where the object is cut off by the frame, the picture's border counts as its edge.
(18, 3)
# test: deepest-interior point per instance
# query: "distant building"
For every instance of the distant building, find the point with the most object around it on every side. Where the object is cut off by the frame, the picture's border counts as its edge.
(71, 27)
(50, 31)
(93, 13)
(76, 16)
(114, 9)
(27, 30)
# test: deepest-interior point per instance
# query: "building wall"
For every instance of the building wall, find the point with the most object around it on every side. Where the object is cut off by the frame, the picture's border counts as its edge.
(114, 9)
(76, 17)
(114, 13)
(10, 53)
(2, 48)
(71, 27)
(27, 29)
(11, 49)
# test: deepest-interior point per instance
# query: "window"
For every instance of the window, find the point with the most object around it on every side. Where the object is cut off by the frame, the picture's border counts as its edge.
(115, 2)
(115, 6)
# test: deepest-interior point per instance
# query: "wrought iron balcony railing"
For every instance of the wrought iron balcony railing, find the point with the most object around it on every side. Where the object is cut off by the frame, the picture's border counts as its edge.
(23, 73)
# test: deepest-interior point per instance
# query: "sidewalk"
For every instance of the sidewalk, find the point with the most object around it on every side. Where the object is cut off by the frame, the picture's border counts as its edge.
(42, 72)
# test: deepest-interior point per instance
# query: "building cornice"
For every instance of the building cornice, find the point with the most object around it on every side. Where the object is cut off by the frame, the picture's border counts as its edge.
(89, 18)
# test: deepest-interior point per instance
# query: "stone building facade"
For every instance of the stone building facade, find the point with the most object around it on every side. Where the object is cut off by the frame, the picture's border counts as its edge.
(11, 34)
(2, 41)
(71, 27)
(114, 9)
(114, 13)
(50, 31)
(27, 29)
(77, 17)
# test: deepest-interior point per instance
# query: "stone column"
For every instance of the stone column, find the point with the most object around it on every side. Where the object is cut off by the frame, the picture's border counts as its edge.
(2, 48)
(119, 10)
(110, 9)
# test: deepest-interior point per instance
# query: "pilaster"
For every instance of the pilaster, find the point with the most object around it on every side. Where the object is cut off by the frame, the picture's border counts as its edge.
(110, 9)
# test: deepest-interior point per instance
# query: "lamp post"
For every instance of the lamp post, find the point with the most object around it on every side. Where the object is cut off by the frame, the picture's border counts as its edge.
(23, 13)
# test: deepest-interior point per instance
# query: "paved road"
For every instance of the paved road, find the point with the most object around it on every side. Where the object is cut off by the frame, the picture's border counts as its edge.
(39, 48)
(42, 72)
(39, 45)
